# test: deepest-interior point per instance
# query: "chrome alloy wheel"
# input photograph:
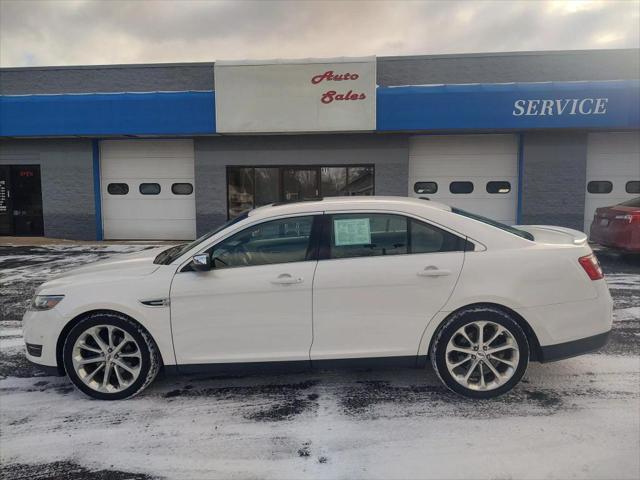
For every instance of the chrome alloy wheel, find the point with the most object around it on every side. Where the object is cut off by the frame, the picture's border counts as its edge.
(482, 355)
(106, 358)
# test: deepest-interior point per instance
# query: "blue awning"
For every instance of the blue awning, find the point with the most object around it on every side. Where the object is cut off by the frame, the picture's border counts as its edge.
(515, 106)
(96, 114)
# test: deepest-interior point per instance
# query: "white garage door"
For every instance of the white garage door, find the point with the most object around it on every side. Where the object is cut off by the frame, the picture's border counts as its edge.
(613, 170)
(478, 173)
(147, 189)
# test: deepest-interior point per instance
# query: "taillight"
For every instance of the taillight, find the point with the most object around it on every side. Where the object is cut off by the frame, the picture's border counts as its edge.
(591, 266)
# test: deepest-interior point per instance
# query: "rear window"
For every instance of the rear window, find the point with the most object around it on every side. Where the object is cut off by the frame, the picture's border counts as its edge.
(493, 223)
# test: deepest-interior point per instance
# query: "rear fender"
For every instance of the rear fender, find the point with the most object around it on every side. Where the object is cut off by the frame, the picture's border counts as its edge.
(502, 304)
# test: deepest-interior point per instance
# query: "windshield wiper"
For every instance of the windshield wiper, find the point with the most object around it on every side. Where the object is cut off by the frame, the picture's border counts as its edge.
(166, 256)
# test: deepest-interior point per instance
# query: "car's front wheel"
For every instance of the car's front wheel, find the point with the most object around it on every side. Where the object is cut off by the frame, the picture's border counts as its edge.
(480, 352)
(109, 357)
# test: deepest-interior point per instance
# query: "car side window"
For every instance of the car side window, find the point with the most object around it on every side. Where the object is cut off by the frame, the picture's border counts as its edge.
(367, 235)
(378, 234)
(427, 238)
(278, 241)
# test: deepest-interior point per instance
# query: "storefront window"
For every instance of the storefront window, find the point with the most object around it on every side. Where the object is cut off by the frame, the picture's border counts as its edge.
(300, 184)
(359, 181)
(240, 186)
(250, 187)
(267, 181)
(333, 180)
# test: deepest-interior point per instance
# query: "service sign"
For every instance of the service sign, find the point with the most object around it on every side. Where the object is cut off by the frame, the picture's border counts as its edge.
(311, 95)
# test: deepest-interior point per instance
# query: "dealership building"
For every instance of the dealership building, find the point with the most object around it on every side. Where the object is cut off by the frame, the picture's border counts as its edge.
(170, 151)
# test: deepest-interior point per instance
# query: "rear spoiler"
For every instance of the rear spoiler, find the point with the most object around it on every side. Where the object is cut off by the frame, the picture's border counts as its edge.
(554, 234)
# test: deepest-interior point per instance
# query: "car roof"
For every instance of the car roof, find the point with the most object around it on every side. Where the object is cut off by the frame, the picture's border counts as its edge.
(346, 203)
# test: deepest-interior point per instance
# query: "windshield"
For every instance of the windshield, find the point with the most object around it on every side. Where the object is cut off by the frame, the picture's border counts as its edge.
(634, 202)
(493, 223)
(169, 255)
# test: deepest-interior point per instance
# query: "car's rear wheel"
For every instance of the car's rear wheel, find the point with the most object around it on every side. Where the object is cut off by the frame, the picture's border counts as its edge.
(480, 353)
(109, 357)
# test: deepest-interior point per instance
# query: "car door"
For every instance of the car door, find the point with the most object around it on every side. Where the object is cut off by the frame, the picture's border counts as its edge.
(254, 305)
(380, 279)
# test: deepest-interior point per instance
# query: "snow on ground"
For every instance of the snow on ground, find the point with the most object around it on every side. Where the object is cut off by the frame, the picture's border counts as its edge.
(22, 269)
(579, 418)
(625, 281)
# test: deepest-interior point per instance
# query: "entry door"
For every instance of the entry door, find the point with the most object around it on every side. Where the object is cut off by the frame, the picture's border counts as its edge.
(255, 304)
(6, 215)
(21, 200)
(376, 293)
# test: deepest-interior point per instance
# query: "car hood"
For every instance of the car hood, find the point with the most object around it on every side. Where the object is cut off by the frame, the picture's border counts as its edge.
(136, 264)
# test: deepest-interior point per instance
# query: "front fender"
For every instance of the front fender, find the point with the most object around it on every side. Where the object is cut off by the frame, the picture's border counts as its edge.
(124, 296)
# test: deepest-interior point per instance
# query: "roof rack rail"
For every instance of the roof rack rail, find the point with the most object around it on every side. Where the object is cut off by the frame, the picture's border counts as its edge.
(315, 199)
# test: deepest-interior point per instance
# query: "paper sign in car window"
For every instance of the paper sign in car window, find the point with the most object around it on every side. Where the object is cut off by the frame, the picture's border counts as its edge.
(352, 231)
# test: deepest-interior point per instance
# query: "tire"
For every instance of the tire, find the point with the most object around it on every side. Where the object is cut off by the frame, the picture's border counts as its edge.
(130, 367)
(510, 361)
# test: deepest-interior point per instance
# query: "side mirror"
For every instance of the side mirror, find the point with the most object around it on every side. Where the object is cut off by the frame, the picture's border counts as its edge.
(201, 262)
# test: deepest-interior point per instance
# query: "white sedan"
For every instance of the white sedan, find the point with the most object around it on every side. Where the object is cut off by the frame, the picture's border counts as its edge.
(338, 282)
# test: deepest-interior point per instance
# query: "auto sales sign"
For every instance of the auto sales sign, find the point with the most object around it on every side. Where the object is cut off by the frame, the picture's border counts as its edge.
(310, 95)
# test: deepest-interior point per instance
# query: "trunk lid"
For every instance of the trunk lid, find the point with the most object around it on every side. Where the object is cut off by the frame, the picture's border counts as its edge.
(611, 212)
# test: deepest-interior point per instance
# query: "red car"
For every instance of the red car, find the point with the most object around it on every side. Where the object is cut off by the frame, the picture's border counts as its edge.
(618, 226)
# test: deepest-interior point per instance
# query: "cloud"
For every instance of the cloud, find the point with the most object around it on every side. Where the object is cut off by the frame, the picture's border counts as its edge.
(71, 32)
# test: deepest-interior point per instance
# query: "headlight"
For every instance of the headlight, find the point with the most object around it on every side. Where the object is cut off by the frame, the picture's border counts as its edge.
(45, 302)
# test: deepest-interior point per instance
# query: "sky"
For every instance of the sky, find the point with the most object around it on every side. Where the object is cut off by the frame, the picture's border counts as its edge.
(91, 32)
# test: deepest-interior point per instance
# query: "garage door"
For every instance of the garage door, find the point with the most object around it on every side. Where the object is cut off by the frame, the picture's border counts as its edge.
(147, 189)
(478, 173)
(613, 170)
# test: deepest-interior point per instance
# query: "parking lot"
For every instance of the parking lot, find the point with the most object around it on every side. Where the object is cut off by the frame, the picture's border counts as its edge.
(579, 418)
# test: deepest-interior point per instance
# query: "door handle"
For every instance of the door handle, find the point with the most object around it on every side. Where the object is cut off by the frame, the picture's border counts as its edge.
(433, 271)
(286, 279)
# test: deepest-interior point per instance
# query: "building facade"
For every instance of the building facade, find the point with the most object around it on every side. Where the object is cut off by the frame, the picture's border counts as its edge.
(171, 151)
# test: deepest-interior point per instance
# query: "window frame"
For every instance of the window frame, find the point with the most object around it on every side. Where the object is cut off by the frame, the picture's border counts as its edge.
(609, 182)
(628, 184)
(118, 194)
(312, 249)
(149, 183)
(324, 246)
(473, 187)
(181, 194)
(498, 192)
(282, 167)
(415, 186)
